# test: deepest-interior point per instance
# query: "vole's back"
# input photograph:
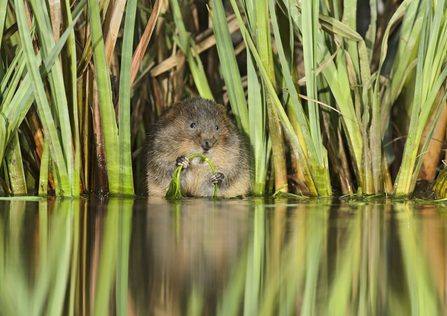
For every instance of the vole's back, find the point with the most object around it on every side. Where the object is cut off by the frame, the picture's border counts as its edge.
(197, 126)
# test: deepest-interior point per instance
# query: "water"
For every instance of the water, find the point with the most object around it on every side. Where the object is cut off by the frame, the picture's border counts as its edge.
(232, 257)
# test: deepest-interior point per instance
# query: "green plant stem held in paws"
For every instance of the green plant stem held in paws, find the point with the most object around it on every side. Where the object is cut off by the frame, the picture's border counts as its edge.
(174, 187)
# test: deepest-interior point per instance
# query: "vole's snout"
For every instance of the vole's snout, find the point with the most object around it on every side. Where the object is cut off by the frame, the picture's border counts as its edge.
(206, 146)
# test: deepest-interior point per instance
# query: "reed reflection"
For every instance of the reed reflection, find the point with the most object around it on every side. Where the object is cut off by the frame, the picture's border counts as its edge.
(234, 257)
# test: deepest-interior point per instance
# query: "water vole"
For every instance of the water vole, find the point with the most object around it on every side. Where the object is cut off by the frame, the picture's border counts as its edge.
(196, 126)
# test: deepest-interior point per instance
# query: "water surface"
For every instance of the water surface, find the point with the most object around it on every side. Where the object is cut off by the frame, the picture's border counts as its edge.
(115, 256)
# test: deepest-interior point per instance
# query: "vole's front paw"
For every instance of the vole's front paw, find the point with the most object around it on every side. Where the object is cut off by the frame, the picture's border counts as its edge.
(217, 178)
(183, 161)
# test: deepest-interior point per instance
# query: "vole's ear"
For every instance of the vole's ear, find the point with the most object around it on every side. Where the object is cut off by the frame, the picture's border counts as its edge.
(172, 111)
(223, 108)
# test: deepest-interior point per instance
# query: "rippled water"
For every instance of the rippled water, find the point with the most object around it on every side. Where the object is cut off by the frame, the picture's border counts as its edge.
(230, 257)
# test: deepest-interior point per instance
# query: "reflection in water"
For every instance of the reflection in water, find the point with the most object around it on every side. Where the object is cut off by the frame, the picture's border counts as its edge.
(234, 257)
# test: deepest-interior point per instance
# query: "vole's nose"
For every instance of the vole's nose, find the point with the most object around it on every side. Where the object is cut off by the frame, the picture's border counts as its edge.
(206, 146)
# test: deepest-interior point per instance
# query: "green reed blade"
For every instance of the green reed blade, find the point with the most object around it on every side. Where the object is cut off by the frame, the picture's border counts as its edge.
(261, 147)
(41, 100)
(309, 29)
(252, 121)
(370, 36)
(265, 52)
(320, 171)
(3, 11)
(401, 63)
(350, 20)
(3, 136)
(259, 139)
(428, 138)
(44, 169)
(15, 167)
(429, 79)
(195, 64)
(103, 85)
(16, 110)
(126, 176)
(405, 57)
(288, 128)
(15, 69)
(229, 66)
(58, 94)
(71, 78)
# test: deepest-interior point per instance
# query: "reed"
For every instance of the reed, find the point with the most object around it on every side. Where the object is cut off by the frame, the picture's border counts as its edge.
(313, 97)
(430, 76)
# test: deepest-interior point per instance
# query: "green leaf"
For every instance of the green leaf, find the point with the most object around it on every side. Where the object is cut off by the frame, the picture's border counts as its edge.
(41, 100)
(102, 78)
(229, 66)
(126, 177)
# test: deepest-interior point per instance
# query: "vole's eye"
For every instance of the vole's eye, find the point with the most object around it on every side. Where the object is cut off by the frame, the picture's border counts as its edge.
(217, 128)
(193, 125)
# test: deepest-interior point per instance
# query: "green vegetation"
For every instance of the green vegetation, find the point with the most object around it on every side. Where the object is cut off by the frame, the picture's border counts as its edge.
(315, 87)
(103, 256)
(174, 186)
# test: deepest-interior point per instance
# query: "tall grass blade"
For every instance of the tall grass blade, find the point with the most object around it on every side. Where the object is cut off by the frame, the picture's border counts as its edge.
(44, 169)
(370, 36)
(126, 176)
(186, 43)
(320, 169)
(3, 136)
(16, 108)
(252, 120)
(405, 56)
(21, 101)
(336, 75)
(41, 100)
(288, 128)
(58, 94)
(15, 167)
(430, 75)
(264, 48)
(428, 138)
(309, 29)
(229, 66)
(102, 78)
(11, 81)
(3, 11)
(71, 78)
(260, 143)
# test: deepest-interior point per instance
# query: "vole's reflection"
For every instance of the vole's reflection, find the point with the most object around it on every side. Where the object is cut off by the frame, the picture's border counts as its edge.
(191, 246)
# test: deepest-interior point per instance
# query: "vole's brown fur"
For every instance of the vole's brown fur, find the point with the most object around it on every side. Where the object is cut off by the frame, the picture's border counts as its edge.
(197, 126)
